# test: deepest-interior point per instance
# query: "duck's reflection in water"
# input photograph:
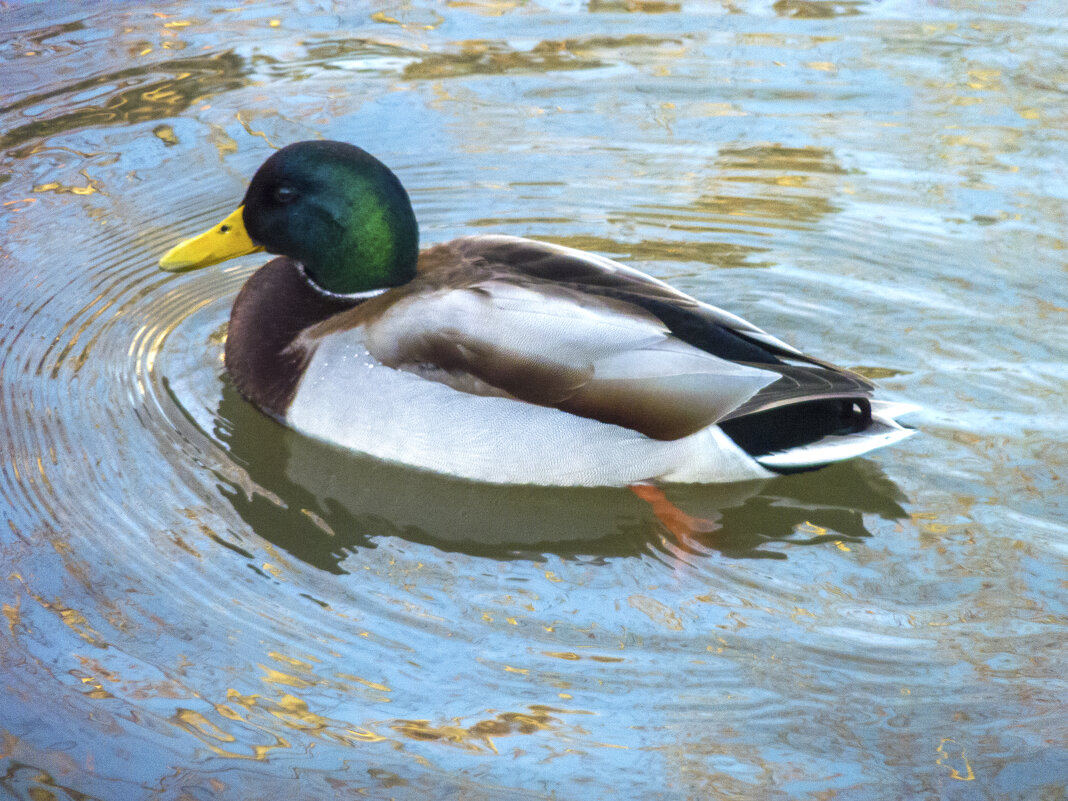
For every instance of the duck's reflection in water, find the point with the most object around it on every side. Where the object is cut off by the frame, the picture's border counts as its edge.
(321, 504)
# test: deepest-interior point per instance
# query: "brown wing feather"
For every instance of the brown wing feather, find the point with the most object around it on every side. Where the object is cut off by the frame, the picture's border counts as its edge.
(701, 324)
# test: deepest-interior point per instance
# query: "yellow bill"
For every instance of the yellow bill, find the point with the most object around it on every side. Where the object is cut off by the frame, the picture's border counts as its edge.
(223, 241)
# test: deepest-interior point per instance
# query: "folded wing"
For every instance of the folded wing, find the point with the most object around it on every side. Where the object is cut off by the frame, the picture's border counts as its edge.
(556, 346)
(557, 327)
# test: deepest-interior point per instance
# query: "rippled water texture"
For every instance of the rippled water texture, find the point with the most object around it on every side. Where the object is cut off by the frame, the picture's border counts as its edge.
(198, 604)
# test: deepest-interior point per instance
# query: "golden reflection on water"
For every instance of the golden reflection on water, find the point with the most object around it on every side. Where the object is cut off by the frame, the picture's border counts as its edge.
(719, 254)
(951, 755)
(480, 735)
(818, 9)
(89, 188)
(71, 618)
(633, 6)
(14, 618)
(778, 159)
(192, 79)
(294, 713)
(215, 738)
(408, 17)
(493, 58)
(801, 182)
(165, 133)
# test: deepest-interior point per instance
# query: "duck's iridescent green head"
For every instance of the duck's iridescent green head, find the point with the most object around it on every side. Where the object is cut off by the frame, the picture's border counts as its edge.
(329, 205)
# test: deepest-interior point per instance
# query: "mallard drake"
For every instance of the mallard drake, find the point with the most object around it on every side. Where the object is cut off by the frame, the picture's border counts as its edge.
(502, 359)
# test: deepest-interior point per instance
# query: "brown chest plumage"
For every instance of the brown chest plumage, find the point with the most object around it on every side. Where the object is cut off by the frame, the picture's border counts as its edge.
(263, 356)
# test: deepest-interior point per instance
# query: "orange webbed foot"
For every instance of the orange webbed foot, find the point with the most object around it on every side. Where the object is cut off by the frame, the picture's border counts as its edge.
(686, 528)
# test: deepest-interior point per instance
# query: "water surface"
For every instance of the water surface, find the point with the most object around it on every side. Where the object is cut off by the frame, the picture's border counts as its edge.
(199, 604)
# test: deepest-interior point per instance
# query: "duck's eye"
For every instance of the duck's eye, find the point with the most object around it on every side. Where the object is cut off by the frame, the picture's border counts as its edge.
(285, 194)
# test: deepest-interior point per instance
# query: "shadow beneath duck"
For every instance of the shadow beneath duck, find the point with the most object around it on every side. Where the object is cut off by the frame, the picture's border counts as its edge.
(321, 504)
